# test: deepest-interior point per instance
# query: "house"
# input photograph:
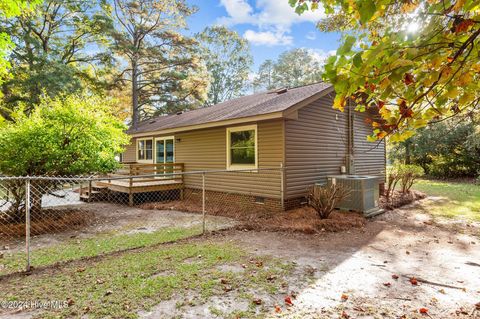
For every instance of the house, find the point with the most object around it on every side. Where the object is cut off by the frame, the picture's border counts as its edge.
(295, 128)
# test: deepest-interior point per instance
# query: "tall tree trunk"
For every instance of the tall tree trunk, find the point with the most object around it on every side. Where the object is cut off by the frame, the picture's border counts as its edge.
(408, 144)
(135, 115)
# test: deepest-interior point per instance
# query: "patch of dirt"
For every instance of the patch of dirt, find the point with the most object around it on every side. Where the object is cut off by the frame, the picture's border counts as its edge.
(399, 199)
(107, 218)
(304, 219)
(48, 221)
(366, 272)
(242, 210)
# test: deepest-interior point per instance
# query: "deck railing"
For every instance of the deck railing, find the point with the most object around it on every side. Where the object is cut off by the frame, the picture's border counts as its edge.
(164, 171)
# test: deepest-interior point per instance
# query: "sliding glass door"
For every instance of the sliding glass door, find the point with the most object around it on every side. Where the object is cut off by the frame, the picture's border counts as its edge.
(165, 153)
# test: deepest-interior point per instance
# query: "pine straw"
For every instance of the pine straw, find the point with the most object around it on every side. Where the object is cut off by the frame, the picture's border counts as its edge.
(304, 219)
(399, 199)
(48, 221)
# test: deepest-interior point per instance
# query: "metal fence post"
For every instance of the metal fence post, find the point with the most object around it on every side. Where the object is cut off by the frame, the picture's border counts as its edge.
(203, 203)
(27, 221)
(282, 186)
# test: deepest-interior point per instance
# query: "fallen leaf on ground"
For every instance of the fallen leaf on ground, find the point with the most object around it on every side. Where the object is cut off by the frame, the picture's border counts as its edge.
(81, 269)
(442, 291)
(345, 315)
(344, 297)
(257, 301)
(461, 311)
(288, 301)
(423, 310)
(278, 309)
(414, 281)
(394, 276)
(227, 288)
(224, 281)
(357, 308)
(387, 284)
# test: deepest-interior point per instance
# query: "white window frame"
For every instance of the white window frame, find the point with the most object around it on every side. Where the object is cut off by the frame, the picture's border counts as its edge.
(153, 150)
(233, 129)
(160, 139)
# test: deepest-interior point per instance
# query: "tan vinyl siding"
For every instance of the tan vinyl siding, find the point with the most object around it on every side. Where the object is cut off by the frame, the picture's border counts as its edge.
(206, 150)
(369, 157)
(316, 145)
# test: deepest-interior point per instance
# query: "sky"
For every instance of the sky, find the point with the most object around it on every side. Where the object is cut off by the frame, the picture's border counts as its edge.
(271, 26)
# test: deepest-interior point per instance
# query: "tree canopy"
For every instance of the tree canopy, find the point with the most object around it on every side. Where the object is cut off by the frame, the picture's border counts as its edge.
(163, 69)
(293, 68)
(454, 153)
(67, 135)
(411, 62)
(228, 60)
(9, 9)
(57, 49)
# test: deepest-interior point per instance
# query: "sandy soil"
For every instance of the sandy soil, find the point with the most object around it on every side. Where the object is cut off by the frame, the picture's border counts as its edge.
(360, 266)
(117, 218)
(349, 273)
(354, 272)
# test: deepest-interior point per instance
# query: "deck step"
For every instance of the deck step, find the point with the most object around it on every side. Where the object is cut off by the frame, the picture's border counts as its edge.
(99, 187)
(92, 193)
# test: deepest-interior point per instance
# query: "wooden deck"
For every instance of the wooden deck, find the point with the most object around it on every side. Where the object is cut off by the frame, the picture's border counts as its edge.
(130, 179)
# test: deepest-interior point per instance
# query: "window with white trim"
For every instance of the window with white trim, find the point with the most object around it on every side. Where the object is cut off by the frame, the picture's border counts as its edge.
(145, 150)
(242, 147)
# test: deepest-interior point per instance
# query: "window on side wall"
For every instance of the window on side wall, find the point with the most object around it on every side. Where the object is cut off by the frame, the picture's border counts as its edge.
(242, 150)
(145, 150)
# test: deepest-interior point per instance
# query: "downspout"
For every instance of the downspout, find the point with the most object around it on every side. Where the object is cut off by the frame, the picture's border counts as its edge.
(351, 145)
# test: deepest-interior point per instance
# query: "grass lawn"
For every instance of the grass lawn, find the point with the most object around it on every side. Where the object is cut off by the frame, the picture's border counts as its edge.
(463, 199)
(120, 286)
(101, 244)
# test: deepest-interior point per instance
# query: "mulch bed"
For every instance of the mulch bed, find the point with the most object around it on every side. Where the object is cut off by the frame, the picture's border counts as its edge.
(399, 199)
(304, 219)
(48, 221)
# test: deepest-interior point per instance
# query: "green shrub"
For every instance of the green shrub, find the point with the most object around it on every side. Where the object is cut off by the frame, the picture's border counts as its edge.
(70, 135)
(403, 174)
(408, 175)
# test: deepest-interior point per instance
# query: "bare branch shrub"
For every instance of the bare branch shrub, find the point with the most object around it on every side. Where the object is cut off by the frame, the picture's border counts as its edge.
(409, 173)
(324, 199)
(393, 177)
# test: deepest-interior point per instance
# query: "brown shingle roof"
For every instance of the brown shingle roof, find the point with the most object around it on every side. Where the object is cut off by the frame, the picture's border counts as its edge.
(242, 107)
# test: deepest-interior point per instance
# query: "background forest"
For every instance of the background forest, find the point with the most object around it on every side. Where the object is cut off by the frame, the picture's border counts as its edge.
(140, 60)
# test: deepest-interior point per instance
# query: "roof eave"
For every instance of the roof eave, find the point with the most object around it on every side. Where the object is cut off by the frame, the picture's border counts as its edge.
(241, 120)
(287, 113)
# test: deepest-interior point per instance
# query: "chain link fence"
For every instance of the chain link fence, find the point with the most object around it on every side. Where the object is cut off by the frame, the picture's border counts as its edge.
(47, 220)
